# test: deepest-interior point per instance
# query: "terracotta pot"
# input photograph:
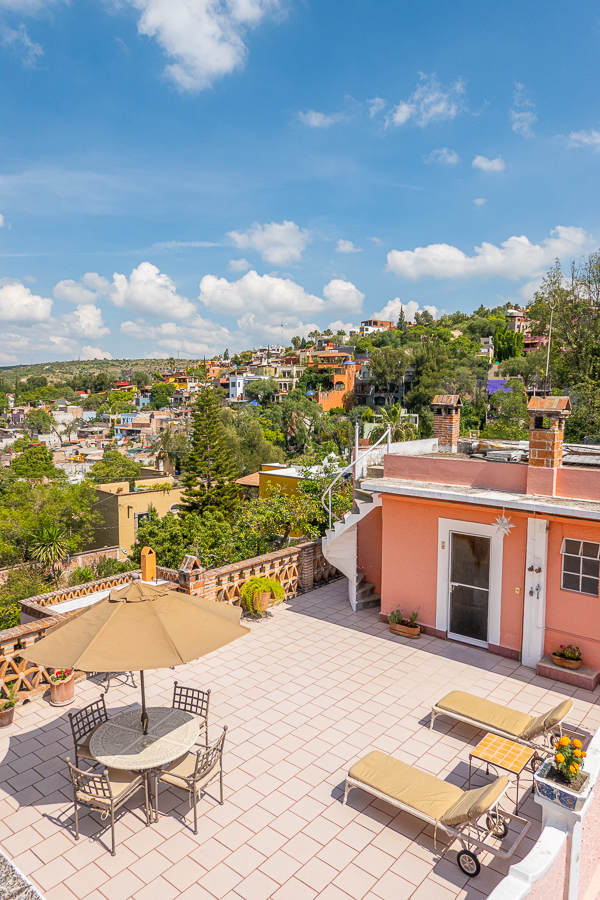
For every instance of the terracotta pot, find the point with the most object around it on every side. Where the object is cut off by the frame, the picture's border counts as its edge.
(411, 631)
(6, 717)
(566, 663)
(265, 600)
(62, 692)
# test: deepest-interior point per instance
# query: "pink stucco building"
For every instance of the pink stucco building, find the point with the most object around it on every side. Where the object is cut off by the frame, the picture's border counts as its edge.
(495, 548)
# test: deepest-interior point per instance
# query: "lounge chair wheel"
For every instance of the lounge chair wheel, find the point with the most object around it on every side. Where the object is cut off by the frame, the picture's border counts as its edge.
(536, 762)
(496, 825)
(468, 863)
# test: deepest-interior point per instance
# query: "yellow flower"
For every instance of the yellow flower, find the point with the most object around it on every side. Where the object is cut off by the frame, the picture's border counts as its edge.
(560, 758)
(572, 769)
(564, 741)
(577, 743)
(577, 753)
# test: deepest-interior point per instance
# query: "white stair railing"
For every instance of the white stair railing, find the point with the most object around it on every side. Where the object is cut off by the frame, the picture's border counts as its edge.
(387, 434)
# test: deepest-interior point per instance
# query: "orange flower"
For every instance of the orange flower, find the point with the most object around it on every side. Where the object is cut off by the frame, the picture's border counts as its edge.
(577, 753)
(560, 758)
(564, 741)
(577, 743)
(572, 769)
(576, 766)
(583, 753)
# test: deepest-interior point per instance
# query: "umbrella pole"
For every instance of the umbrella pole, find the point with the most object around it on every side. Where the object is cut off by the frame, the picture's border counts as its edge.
(144, 713)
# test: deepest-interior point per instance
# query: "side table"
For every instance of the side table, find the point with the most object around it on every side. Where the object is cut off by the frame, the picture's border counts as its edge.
(504, 754)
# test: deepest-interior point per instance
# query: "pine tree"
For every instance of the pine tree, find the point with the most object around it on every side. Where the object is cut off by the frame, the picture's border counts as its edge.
(210, 473)
(401, 326)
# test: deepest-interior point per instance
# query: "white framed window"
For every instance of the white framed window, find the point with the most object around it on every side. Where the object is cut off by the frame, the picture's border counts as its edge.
(580, 566)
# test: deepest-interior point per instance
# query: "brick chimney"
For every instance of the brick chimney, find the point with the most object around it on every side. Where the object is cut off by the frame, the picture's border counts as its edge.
(446, 421)
(547, 417)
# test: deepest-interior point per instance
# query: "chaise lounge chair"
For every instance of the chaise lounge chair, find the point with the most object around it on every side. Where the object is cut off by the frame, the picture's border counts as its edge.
(502, 720)
(440, 803)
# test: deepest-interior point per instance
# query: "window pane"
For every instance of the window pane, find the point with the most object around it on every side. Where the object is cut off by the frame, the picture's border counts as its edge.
(570, 582)
(572, 547)
(470, 560)
(589, 586)
(469, 612)
(572, 564)
(590, 550)
(590, 567)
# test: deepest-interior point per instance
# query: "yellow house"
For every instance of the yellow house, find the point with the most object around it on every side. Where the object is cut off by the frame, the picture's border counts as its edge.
(122, 509)
(279, 475)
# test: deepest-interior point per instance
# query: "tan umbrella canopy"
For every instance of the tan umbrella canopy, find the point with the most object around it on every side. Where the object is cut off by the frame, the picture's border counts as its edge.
(141, 626)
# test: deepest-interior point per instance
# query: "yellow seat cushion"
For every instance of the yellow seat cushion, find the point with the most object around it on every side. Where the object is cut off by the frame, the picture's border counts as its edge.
(485, 713)
(119, 781)
(419, 790)
(473, 804)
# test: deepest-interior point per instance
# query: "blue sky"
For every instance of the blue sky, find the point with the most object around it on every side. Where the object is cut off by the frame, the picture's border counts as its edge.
(181, 177)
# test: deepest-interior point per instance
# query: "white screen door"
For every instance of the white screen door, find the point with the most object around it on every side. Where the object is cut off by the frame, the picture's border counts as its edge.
(469, 588)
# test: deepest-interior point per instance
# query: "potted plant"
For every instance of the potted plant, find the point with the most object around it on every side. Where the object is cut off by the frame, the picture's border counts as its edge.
(257, 592)
(560, 778)
(7, 705)
(568, 657)
(407, 627)
(62, 687)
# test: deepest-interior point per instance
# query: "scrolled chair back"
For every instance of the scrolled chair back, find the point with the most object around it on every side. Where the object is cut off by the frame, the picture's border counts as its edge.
(206, 760)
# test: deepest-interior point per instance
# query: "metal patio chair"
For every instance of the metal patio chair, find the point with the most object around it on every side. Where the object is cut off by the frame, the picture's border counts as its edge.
(193, 773)
(83, 725)
(194, 701)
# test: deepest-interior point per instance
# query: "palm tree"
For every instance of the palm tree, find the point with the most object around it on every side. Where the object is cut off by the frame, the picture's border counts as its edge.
(48, 545)
(391, 414)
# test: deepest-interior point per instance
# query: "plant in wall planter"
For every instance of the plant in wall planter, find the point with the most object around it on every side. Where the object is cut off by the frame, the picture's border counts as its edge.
(407, 627)
(568, 657)
(560, 778)
(7, 706)
(62, 687)
(258, 593)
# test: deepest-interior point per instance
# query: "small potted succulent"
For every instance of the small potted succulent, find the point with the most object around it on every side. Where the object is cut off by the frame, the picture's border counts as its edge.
(569, 657)
(62, 687)
(7, 705)
(257, 592)
(407, 627)
(560, 778)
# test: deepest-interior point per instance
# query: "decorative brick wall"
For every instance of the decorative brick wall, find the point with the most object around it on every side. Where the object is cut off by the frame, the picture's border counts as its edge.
(446, 421)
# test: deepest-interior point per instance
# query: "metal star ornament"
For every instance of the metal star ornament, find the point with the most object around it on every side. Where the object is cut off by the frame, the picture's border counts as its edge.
(503, 525)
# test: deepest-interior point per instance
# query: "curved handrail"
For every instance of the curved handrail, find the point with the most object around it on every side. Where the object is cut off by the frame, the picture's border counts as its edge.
(386, 434)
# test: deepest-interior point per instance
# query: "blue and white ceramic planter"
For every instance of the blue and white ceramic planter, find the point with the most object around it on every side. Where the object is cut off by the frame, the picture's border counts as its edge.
(558, 793)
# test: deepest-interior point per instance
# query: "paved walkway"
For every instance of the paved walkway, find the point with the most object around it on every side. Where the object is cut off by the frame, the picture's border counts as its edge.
(308, 692)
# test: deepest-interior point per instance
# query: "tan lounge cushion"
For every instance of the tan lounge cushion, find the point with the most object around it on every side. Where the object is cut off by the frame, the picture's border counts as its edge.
(546, 721)
(485, 713)
(419, 790)
(473, 804)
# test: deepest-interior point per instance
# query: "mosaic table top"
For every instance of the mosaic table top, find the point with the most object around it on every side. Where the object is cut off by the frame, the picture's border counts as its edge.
(502, 752)
(120, 743)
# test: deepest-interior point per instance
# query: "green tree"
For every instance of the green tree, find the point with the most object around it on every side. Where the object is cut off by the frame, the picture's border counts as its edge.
(161, 394)
(388, 365)
(38, 421)
(247, 443)
(262, 390)
(209, 474)
(584, 421)
(21, 583)
(391, 415)
(509, 413)
(48, 545)
(35, 464)
(141, 379)
(432, 368)
(115, 466)
(507, 343)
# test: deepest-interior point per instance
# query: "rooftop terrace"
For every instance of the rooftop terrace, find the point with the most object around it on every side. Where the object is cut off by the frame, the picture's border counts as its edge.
(308, 692)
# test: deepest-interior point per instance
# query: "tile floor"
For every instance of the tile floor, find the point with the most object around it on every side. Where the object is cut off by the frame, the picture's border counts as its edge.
(305, 694)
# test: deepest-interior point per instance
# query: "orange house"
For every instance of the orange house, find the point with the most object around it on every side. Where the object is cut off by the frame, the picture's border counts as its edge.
(498, 549)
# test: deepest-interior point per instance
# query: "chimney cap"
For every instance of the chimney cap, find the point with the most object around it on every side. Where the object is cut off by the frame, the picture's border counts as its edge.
(550, 405)
(447, 400)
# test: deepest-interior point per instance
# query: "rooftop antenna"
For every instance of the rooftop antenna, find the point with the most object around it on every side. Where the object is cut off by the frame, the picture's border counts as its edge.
(551, 304)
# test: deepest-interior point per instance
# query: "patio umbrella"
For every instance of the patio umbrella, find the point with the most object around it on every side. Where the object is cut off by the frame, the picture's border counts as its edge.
(141, 626)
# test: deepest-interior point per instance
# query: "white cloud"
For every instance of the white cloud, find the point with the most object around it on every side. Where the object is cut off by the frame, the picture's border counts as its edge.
(375, 106)
(515, 258)
(585, 139)
(18, 304)
(280, 243)
(347, 247)
(479, 201)
(147, 291)
(443, 155)
(73, 292)
(489, 165)
(320, 120)
(86, 322)
(204, 37)
(522, 114)
(272, 298)
(338, 325)
(391, 310)
(182, 245)
(238, 265)
(22, 43)
(88, 352)
(429, 102)
(1, 221)
(199, 336)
